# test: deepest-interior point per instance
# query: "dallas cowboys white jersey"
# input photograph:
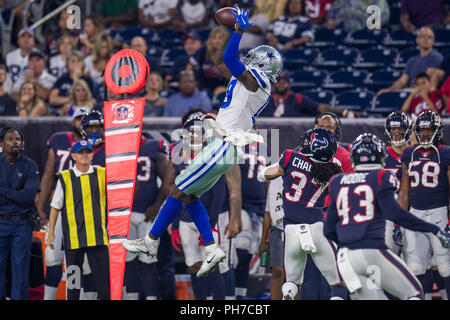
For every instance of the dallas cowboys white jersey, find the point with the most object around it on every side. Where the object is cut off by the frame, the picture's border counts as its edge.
(16, 63)
(241, 106)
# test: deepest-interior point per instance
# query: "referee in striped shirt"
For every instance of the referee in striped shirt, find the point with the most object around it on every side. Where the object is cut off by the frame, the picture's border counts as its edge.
(81, 198)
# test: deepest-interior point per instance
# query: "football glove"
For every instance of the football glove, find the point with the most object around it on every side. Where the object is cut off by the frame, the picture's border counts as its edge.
(397, 236)
(444, 238)
(242, 19)
(176, 242)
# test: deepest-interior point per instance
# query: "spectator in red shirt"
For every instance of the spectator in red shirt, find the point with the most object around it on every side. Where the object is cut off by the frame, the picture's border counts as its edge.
(423, 97)
(445, 93)
(317, 10)
(331, 122)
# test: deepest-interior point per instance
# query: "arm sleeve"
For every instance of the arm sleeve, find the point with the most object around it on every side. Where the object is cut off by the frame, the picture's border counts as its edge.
(230, 56)
(25, 196)
(392, 211)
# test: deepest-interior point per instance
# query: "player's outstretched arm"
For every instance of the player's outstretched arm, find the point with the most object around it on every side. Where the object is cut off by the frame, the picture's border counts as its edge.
(269, 173)
(230, 55)
(403, 194)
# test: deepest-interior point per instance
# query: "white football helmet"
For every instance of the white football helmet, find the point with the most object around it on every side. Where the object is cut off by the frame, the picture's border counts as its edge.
(267, 59)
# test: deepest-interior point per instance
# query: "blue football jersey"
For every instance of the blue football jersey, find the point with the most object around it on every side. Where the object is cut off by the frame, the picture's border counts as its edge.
(393, 162)
(147, 173)
(61, 143)
(253, 192)
(427, 176)
(303, 199)
(286, 28)
(360, 204)
(361, 222)
(99, 156)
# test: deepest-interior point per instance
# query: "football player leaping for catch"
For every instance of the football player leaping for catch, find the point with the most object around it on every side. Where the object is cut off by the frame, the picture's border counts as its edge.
(247, 94)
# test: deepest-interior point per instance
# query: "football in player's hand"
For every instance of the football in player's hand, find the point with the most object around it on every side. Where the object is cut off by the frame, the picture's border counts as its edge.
(225, 17)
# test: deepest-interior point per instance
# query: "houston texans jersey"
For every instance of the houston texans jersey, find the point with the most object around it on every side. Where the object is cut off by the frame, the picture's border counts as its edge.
(303, 199)
(253, 192)
(360, 203)
(61, 143)
(427, 176)
(393, 162)
(147, 173)
(241, 106)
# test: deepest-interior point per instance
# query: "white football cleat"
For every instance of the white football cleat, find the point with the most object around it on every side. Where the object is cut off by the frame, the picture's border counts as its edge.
(143, 245)
(213, 256)
(289, 290)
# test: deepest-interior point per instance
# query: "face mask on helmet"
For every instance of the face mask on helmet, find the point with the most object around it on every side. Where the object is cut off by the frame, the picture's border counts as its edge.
(398, 128)
(428, 129)
(367, 153)
(194, 134)
(92, 128)
(267, 59)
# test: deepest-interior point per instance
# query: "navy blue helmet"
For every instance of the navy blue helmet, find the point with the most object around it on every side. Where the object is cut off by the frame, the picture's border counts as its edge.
(398, 119)
(93, 118)
(429, 120)
(319, 144)
(367, 152)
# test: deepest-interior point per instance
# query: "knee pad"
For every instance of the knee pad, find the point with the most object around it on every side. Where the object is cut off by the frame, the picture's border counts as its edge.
(289, 289)
(443, 269)
(52, 258)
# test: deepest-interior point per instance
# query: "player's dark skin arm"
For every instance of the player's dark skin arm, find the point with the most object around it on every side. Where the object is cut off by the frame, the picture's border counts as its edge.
(47, 182)
(233, 180)
(218, 58)
(403, 194)
(264, 233)
(162, 165)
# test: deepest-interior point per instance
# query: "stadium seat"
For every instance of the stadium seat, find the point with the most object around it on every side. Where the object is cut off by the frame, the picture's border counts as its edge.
(371, 59)
(305, 80)
(354, 100)
(324, 37)
(445, 52)
(204, 34)
(170, 38)
(339, 58)
(389, 101)
(403, 57)
(400, 39)
(129, 33)
(321, 96)
(365, 38)
(381, 79)
(344, 80)
(442, 38)
(297, 58)
(168, 57)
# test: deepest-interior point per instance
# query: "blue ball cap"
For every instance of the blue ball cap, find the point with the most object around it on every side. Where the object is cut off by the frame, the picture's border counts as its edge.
(80, 145)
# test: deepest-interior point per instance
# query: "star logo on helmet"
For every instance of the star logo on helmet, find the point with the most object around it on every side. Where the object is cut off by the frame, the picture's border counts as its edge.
(270, 56)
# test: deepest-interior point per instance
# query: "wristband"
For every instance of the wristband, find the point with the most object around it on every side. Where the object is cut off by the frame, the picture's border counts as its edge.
(261, 175)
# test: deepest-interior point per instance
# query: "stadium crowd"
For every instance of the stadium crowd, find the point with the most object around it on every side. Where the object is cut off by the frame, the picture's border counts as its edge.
(333, 64)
